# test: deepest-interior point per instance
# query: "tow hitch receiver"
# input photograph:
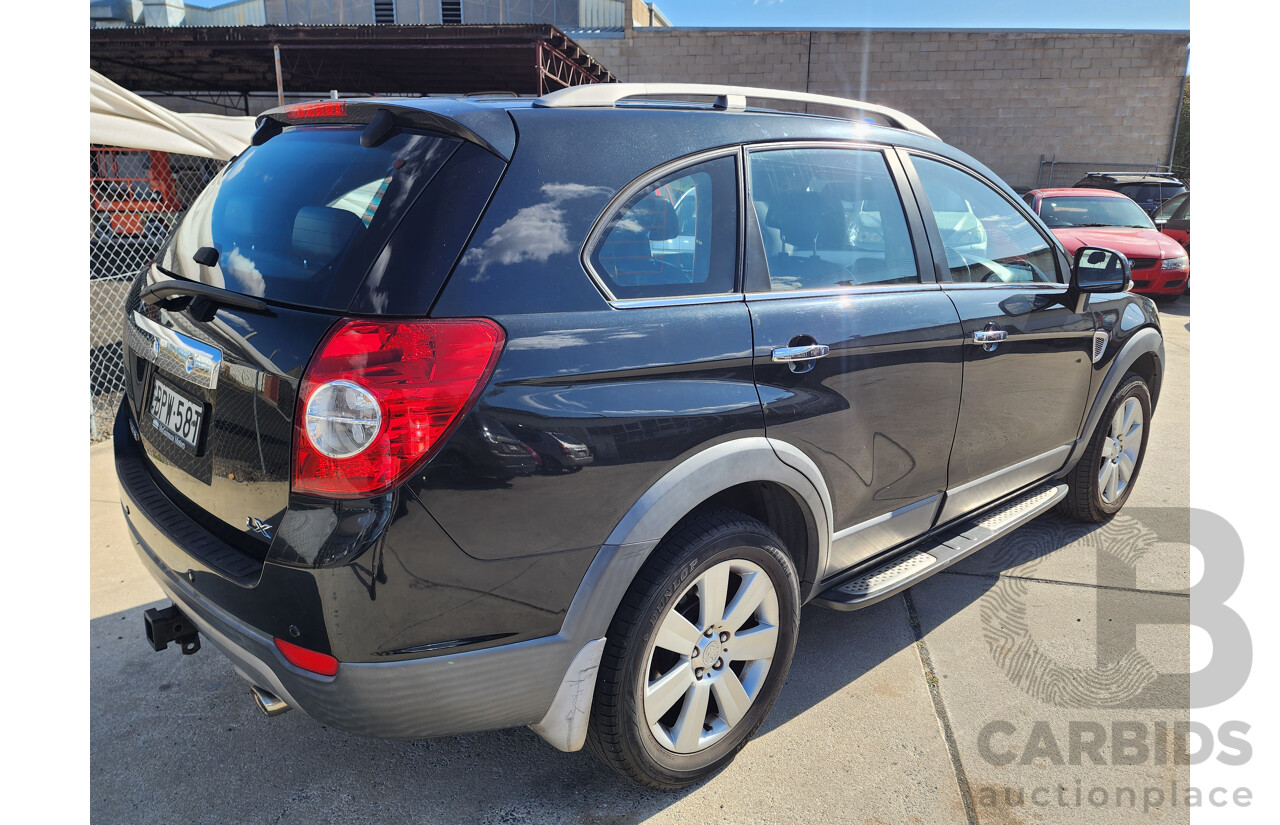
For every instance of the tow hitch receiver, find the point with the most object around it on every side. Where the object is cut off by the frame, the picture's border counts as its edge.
(170, 624)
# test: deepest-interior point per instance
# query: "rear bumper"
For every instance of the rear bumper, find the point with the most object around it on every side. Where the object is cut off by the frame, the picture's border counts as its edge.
(497, 687)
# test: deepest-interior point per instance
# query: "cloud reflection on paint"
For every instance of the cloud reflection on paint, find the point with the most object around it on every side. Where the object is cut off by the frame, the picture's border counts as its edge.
(534, 233)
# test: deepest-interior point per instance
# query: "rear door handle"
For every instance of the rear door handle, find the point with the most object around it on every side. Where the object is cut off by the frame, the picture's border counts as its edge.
(786, 355)
(989, 338)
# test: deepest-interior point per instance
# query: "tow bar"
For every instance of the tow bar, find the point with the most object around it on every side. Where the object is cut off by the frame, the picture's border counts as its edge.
(170, 624)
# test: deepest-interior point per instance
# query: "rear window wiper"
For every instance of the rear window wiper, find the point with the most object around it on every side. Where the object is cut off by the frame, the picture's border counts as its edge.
(202, 300)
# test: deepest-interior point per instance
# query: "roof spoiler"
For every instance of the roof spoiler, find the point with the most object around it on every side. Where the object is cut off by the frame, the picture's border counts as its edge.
(490, 129)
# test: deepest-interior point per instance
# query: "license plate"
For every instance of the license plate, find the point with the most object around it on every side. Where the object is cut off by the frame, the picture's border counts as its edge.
(175, 415)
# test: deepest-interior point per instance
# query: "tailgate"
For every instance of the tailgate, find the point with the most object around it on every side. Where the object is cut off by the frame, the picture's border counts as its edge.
(214, 404)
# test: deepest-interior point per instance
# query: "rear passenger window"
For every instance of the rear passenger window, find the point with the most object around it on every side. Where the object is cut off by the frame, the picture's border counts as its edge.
(985, 238)
(676, 237)
(830, 218)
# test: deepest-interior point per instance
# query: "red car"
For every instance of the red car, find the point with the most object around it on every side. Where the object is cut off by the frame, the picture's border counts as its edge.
(1098, 217)
(1173, 218)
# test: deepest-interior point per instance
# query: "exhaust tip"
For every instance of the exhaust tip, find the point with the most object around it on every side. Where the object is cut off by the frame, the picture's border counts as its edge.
(268, 702)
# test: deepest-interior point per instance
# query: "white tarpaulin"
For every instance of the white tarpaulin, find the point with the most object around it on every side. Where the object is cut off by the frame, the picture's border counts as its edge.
(118, 117)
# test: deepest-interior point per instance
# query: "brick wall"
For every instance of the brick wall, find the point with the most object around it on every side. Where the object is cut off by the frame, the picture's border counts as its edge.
(1004, 97)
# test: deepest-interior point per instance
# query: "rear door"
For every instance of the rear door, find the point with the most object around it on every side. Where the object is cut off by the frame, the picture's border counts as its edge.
(302, 223)
(856, 348)
(1027, 353)
(1178, 226)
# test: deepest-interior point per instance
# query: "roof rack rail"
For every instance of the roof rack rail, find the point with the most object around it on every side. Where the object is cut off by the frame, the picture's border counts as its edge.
(1144, 172)
(729, 98)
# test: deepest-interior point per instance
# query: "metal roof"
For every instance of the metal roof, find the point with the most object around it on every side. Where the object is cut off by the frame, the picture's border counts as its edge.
(526, 59)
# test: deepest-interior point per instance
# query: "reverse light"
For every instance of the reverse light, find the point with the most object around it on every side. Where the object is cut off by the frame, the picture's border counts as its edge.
(342, 419)
(379, 397)
(1174, 263)
(309, 660)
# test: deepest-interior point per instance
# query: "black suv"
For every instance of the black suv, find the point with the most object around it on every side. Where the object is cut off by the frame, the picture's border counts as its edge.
(1149, 190)
(788, 358)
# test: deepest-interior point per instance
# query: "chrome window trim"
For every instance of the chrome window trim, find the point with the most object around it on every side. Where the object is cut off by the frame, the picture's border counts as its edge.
(814, 143)
(686, 300)
(647, 179)
(824, 292)
(1040, 286)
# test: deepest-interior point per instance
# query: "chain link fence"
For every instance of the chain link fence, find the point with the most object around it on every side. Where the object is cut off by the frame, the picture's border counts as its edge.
(135, 199)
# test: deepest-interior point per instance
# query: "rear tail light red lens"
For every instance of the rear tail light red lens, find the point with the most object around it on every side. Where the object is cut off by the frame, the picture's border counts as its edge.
(309, 660)
(424, 376)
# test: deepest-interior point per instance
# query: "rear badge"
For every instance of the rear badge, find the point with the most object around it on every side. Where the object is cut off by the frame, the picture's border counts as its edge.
(260, 527)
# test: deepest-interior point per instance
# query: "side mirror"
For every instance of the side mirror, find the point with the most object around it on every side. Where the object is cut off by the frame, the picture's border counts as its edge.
(1160, 222)
(1096, 269)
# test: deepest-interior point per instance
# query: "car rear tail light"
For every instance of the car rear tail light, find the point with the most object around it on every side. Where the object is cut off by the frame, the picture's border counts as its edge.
(310, 660)
(379, 397)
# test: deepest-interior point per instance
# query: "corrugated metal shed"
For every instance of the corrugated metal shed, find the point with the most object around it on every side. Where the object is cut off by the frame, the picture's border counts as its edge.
(526, 59)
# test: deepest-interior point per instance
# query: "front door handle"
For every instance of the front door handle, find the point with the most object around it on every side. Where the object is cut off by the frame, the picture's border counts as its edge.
(990, 338)
(787, 355)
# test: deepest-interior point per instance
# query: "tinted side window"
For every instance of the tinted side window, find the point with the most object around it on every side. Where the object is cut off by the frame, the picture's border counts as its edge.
(830, 218)
(986, 239)
(1166, 210)
(676, 237)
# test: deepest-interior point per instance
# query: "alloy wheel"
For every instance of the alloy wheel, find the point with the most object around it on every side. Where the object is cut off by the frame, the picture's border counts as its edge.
(1120, 449)
(710, 656)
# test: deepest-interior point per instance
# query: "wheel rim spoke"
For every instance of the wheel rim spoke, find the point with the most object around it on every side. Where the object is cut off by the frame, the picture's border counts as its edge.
(1104, 478)
(1117, 423)
(757, 643)
(677, 634)
(731, 696)
(713, 589)
(660, 695)
(688, 727)
(753, 590)
(1126, 465)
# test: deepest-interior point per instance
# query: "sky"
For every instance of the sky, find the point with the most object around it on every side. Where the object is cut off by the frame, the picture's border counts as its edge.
(987, 14)
(1022, 14)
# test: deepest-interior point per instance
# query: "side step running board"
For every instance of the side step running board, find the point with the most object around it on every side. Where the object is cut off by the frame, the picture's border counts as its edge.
(939, 552)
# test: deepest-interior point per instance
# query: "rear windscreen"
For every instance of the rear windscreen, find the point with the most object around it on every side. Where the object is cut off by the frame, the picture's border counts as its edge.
(301, 218)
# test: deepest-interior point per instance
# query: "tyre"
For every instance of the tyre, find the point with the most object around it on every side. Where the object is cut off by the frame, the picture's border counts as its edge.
(697, 652)
(1102, 480)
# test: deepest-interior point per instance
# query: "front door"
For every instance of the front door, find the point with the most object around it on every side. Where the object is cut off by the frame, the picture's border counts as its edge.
(857, 350)
(1027, 352)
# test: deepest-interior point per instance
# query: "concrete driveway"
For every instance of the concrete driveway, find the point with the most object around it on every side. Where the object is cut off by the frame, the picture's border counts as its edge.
(991, 693)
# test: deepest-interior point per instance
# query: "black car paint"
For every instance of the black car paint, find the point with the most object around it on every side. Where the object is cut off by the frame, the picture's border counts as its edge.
(466, 560)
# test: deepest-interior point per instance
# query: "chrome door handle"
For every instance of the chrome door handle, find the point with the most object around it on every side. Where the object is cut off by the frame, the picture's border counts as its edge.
(786, 355)
(989, 338)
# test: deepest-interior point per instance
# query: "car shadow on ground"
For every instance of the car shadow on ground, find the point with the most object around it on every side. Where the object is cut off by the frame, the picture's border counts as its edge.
(1180, 308)
(176, 737)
